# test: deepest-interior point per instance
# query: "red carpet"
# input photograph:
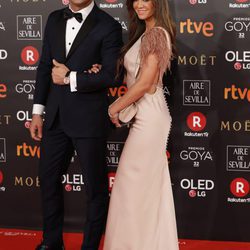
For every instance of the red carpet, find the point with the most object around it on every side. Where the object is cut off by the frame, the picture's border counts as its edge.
(11, 239)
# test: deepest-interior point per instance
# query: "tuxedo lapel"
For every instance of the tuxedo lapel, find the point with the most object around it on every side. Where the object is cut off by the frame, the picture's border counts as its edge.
(83, 32)
(61, 38)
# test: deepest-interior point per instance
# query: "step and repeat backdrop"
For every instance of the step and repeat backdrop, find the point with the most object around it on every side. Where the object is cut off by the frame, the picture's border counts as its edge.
(209, 93)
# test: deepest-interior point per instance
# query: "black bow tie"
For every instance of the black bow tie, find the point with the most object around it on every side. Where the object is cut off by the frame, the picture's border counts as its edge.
(69, 14)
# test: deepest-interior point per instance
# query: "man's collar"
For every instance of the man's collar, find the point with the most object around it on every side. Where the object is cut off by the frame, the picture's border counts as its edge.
(85, 11)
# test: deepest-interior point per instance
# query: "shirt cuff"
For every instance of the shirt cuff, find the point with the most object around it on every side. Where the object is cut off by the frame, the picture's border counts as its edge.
(73, 83)
(38, 109)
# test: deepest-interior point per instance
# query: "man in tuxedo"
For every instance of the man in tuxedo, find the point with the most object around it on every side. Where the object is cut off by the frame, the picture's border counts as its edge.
(76, 113)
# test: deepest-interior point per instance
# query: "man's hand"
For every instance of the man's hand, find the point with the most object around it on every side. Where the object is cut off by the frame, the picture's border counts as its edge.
(36, 127)
(58, 72)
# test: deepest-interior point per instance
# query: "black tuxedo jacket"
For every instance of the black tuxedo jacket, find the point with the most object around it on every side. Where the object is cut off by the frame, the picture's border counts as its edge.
(82, 113)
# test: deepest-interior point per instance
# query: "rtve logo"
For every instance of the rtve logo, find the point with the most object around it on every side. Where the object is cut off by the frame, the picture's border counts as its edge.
(193, 27)
(28, 151)
(30, 55)
(239, 187)
(196, 121)
(3, 91)
(236, 94)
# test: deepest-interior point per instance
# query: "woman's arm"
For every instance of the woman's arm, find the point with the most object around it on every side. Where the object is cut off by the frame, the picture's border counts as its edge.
(148, 73)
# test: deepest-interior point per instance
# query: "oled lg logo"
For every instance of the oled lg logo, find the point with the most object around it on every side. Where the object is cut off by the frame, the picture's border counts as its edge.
(241, 60)
(196, 122)
(194, 2)
(3, 54)
(193, 27)
(73, 183)
(239, 187)
(29, 56)
(197, 188)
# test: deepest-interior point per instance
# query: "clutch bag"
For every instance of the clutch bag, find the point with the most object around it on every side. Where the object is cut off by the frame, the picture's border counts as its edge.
(128, 113)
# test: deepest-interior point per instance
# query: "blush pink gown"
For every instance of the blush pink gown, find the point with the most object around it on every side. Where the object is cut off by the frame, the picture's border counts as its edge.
(141, 213)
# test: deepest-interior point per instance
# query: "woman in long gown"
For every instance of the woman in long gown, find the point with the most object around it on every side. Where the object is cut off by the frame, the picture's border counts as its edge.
(141, 213)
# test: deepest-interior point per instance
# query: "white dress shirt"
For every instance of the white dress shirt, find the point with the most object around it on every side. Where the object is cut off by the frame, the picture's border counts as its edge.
(72, 29)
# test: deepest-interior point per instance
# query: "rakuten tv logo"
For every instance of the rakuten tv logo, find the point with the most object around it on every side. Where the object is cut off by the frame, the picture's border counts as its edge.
(240, 187)
(65, 2)
(193, 27)
(111, 177)
(30, 55)
(1, 177)
(196, 121)
(240, 59)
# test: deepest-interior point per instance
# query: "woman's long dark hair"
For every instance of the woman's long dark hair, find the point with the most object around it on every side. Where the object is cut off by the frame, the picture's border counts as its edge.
(137, 27)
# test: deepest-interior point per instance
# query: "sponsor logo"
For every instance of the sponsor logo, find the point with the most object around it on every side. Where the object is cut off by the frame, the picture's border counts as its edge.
(2, 150)
(111, 177)
(194, 2)
(114, 150)
(2, 26)
(25, 150)
(118, 91)
(65, 2)
(29, 56)
(26, 181)
(5, 119)
(3, 54)
(237, 94)
(2, 189)
(196, 93)
(27, 88)
(123, 23)
(239, 26)
(196, 122)
(1, 177)
(73, 182)
(238, 158)
(196, 155)
(239, 188)
(111, 4)
(3, 91)
(194, 60)
(197, 188)
(29, 27)
(241, 60)
(235, 126)
(194, 27)
(239, 4)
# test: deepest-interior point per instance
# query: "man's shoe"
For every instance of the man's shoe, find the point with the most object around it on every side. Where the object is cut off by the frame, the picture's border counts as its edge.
(45, 247)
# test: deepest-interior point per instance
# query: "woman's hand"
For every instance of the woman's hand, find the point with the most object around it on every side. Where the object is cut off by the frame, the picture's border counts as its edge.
(114, 117)
(95, 69)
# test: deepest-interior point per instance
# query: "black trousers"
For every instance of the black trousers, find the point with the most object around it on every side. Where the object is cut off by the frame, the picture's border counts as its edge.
(56, 151)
